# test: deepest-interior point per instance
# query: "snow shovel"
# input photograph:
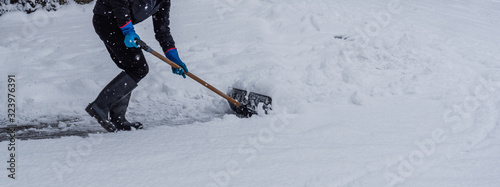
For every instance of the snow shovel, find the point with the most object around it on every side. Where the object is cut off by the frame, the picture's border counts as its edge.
(244, 105)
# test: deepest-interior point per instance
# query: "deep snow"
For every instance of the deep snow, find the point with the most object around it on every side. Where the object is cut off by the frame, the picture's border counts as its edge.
(366, 93)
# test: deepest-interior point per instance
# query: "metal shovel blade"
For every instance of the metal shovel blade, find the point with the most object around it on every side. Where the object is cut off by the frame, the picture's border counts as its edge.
(249, 102)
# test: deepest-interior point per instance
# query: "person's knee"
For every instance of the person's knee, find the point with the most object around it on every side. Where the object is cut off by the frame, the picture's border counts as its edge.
(138, 73)
(143, 71)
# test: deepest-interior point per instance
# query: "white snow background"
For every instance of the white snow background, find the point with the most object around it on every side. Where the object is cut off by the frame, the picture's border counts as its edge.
(366, 93)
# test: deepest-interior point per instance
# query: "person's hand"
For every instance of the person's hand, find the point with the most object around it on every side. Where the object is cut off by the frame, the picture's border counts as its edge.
(173, 56)
(130, 35)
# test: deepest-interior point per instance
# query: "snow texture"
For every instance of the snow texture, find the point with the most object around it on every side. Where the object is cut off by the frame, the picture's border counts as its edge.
(365, 93)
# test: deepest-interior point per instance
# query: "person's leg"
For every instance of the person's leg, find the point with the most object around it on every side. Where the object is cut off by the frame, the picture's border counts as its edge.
(131, 60)
(115, 96)
(118, 112)
(116, 90)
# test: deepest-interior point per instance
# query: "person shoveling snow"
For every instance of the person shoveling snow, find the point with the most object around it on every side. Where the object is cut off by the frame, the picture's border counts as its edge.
(114, 23)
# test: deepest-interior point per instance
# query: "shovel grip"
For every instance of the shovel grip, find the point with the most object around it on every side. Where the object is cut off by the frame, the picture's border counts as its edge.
(143, 45)
(148, 49)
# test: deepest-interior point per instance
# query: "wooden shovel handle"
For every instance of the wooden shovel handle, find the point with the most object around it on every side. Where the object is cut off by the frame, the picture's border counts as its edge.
(144, 46)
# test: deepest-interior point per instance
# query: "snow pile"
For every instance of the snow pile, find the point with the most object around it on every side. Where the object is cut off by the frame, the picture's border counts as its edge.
(30, 6)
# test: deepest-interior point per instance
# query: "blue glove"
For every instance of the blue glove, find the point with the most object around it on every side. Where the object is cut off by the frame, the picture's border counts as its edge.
(173, 56)
(130, 35)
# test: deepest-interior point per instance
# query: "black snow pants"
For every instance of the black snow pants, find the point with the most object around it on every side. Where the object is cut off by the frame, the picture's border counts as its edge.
(131, 60)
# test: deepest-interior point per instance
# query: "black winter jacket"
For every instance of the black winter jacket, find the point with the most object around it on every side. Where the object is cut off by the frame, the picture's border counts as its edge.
(136, 11)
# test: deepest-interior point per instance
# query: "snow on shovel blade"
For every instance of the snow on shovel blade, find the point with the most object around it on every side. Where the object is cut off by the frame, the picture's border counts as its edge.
(249, 103)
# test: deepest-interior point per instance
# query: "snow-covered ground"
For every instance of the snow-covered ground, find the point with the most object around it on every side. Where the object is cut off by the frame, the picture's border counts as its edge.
(366, 93)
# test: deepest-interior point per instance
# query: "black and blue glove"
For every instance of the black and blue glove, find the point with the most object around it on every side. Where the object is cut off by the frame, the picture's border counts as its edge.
(130, 35)
(173, 56)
